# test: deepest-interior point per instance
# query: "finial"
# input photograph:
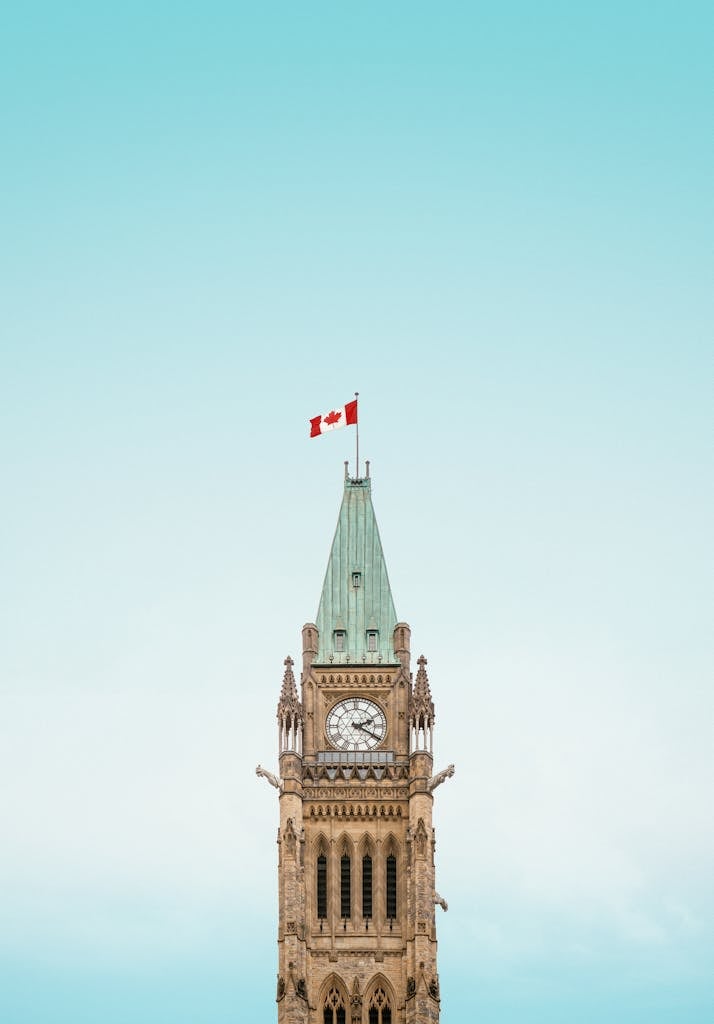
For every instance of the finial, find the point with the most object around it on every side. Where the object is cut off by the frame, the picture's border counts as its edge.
(421, 686)
(289, 699)
(421, 705)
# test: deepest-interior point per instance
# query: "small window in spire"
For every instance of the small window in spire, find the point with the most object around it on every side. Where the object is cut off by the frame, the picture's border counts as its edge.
(372, 636)
(340, 635)
(356, 579)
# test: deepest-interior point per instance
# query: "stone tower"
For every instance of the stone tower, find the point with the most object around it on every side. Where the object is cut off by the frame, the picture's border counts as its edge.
(357, 928)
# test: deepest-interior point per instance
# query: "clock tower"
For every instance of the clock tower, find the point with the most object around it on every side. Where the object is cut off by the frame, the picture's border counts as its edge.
(357, 923)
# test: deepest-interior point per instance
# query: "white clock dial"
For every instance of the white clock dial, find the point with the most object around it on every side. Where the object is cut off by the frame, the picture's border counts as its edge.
(356, 724)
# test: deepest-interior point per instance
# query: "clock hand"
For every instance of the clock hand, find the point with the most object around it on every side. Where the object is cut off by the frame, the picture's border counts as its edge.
(368, 731)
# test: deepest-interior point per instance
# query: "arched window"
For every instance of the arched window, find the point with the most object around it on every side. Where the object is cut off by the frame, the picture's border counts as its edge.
(345, 886)
(391, 886)
(334, 1012)
(366, 886)
(322, 886)
(380, 1012)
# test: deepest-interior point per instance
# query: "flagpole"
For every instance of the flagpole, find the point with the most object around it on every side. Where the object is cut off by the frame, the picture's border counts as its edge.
(357, 434)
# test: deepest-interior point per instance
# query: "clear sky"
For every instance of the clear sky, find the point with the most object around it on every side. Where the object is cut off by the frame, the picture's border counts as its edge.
(494, 221)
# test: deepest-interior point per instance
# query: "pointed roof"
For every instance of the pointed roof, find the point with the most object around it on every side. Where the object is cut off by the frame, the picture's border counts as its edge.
(289, 700)
(421, 704)
(356, 596)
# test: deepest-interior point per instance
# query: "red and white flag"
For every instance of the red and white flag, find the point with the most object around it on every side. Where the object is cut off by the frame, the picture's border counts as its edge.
(334, 419)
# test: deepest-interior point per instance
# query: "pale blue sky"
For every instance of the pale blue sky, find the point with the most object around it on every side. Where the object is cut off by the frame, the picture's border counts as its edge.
(495, 222)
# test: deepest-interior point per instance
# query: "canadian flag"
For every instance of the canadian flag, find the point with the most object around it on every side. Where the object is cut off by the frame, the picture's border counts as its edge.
(334, 419)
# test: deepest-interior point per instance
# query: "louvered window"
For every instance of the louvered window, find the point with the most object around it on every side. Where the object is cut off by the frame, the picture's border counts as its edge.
(345, 901)
(340, 640)
(372, 639)
(322, 886)
(367, 886)
(391, 886)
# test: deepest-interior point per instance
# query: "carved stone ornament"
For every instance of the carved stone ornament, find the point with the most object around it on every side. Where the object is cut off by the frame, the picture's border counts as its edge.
(356, 680)
(436, 780)
(345, 810)
(301, 988)
(411, 987)
(269, 777)
(356, 1003)
(434, 988)
(290, 837)
(421, 838)
(281, 989)
(439, 901)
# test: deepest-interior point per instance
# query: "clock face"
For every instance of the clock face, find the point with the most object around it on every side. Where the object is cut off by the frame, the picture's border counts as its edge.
(356, 724)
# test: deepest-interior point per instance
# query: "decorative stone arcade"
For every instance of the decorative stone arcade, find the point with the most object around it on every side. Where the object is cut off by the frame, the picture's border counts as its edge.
(356, 924)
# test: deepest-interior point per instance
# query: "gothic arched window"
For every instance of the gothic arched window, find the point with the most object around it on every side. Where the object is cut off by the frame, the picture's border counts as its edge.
(391, 886)
(366, 886)
(345, 886)
(380, 1012)
(322, 886)
(334, 1012)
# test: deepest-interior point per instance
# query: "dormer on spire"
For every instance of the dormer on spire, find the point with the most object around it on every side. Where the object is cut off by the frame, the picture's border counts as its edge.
(421, 711)
(290, 713)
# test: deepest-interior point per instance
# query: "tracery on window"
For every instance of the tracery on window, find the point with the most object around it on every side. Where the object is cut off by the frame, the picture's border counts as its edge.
(380, 1011)
(334, 1011)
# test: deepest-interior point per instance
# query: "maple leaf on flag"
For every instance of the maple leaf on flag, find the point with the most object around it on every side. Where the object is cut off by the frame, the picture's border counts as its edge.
(342, 416)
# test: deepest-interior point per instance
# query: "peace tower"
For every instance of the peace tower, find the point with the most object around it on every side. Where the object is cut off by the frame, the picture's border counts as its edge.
(357, 923)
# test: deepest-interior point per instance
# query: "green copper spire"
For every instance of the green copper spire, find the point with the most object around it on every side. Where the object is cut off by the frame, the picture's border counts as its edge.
(356, 617)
